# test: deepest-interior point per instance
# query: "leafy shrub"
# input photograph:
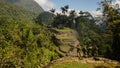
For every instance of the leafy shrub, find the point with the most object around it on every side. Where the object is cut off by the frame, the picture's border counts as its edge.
(25, 45)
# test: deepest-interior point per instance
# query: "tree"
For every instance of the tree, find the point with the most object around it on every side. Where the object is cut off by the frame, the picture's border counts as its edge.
(52, 10)
(112, 19)
(65, 9)
(72, 17)
(81, 13)
(61, 20)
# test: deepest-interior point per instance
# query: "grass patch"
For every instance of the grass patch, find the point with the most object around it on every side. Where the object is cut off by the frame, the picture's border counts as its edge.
(62, 54)
(63, 30)
(84, 65)
(72, 65)
(66, 37)
(65, 48)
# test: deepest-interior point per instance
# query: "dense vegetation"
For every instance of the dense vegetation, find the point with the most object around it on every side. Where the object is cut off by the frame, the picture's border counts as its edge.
(111, 15)
(23, 43)
(46, 17)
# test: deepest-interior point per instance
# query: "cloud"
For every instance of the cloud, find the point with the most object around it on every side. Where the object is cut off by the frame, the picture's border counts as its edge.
(116, 2)
(99, 13)
(96, 13)
(46, 4)
(93, 13)
(60, 11)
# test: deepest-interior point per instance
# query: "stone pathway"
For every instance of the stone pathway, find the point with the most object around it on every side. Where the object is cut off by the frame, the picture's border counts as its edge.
(84, 60)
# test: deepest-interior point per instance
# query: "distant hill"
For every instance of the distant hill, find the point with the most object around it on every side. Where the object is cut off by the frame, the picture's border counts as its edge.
(29, 5)
(46, 17)
(15, 12)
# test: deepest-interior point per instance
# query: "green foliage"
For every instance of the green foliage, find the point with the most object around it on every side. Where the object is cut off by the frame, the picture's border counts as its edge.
(112, 16)
(89, 33)
(15, 12)
(47, 18)
(60, 21)
(25, 45)
(64, 19)
(92, 35)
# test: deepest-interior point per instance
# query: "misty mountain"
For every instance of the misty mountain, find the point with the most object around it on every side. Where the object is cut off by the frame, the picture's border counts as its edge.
(29, 5)
(17, 13)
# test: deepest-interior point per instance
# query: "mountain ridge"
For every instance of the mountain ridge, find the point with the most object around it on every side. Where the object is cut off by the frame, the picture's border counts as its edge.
(17, 13)
(29, 5)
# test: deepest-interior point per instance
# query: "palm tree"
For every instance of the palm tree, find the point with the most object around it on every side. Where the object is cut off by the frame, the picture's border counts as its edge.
(52, 10)
(81, 13)
(72, 17)
(65, 9)
(72, 12)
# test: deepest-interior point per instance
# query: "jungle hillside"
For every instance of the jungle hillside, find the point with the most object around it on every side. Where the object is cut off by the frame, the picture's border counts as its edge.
(31, 37)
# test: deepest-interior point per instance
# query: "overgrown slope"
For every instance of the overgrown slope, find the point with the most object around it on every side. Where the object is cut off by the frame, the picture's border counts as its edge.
(27, 45)
(23, 43)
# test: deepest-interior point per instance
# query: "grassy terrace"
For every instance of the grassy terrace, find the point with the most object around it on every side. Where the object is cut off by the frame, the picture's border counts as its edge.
(66, 37)
(63, 30)
(72, 65)
(65, 48)
(65, 34)
(83, 65)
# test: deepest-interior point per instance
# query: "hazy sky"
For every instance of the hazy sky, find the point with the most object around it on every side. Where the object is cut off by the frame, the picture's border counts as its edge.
(85, 5)
(89, 5)
(77, 4)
